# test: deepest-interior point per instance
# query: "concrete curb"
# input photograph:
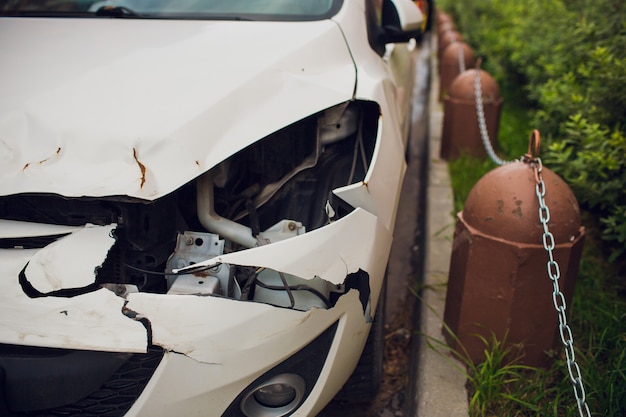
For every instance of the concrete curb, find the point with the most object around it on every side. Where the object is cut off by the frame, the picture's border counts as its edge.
(440, 385)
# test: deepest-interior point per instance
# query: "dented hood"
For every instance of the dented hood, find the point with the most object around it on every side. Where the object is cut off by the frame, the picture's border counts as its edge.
(92, 107)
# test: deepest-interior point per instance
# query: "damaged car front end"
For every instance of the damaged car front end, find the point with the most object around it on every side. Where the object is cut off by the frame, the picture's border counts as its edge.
(196, 211)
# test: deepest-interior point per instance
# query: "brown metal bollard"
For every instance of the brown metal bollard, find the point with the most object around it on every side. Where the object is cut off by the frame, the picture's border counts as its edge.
(445, 26)
(461, 132)
(442, 16)
(498, 283)
(451, 63)
(444, 40)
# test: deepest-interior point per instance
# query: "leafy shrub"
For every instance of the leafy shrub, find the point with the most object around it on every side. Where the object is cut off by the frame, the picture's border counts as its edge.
(592, 158)
(568, 57)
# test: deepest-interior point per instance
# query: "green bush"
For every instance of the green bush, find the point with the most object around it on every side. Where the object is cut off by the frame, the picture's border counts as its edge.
(569, 59)
(592, 158)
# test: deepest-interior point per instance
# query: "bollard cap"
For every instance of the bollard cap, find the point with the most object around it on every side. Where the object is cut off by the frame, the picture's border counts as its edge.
(448, 37)
(503, 204)
(450, 55)
(462, 87)
(445, 27)
(442, 17)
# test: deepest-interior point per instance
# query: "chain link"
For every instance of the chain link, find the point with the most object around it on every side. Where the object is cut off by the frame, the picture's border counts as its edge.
(461, 57)
(558, 298)
(482, 125)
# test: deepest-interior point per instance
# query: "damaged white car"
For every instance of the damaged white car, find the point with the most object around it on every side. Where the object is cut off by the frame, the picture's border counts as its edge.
(197, 201)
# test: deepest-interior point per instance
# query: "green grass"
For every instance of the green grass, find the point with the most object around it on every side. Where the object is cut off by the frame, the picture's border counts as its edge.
(464, 173)
(515, 125)
(599, 324)
(501, 386)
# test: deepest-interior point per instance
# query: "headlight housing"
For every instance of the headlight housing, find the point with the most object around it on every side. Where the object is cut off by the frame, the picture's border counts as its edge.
(277, 396)
(282, 389)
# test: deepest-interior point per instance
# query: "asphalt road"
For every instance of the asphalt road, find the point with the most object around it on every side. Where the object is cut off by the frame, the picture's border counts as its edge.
(403, 272)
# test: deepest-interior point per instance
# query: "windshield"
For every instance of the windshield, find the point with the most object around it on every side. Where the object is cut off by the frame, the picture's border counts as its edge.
(175, 9)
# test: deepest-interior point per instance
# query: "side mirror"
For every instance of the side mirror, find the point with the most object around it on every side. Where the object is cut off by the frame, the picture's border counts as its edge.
(402, 20)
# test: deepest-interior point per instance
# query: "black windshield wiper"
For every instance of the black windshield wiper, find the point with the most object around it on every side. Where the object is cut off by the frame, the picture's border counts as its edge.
(104, 11)
(121, 12)
(116, 11)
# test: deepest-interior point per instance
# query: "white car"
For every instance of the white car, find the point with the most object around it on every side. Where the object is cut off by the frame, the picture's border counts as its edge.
(197, 201)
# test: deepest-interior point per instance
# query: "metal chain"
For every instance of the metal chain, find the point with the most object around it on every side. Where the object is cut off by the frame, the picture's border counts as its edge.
(461, 57)
(557, 296)
(552, 266)
(482, 125)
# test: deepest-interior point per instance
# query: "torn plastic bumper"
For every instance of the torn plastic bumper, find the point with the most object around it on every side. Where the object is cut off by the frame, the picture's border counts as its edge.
(52, 300)
(215, 345)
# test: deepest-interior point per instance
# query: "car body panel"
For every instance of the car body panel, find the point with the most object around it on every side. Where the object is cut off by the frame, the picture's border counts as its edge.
(56, 267)
(183, 385)
(328, 253)
(388, 81)
(90, 321)
(104, 111)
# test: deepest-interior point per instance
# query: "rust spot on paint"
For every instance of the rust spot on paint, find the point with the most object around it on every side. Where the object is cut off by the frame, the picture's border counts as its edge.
(198, 163)
(518, 210)
(366, 185)
(500, 206)
(43, 161)
(142, 168)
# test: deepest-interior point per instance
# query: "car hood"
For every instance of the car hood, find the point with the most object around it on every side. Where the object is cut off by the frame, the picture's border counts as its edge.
(92, 107)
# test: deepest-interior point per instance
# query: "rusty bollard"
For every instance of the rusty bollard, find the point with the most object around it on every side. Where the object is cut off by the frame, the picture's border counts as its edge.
(461, 132)
(442, 17)
(445, 27)
(444, 40)
(498, 283)
(457, 57)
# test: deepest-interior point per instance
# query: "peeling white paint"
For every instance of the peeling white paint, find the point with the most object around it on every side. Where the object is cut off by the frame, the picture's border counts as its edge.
(71, 261)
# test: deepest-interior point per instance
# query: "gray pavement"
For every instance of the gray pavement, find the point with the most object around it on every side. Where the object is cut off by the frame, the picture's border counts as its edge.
(439, 386)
